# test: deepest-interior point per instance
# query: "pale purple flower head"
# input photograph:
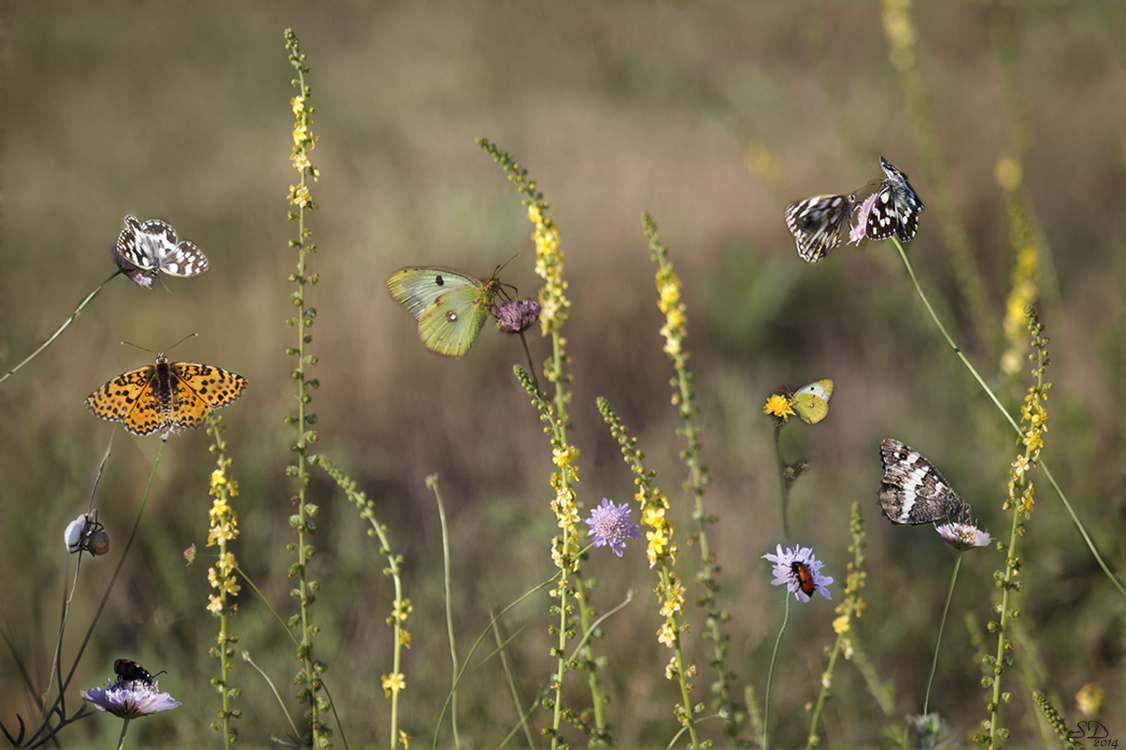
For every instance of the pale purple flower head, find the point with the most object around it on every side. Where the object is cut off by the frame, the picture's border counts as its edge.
(799, 570)
(611, 524)
(134, 272)
(963, 535)
(859, 231)
(130, 699)
(518, 315)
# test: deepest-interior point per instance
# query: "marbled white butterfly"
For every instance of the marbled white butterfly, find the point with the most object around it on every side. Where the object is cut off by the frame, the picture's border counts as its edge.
(897, 207)
(912, 490)
(152, 248)
(817, 223)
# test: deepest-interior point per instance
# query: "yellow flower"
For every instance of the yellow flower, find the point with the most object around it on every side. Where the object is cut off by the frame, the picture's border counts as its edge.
(226, 563)
(841, 624)
(393, 683)
(215, 605)
(667, 635)
(778, 406)
(404, 637)
(231, 586)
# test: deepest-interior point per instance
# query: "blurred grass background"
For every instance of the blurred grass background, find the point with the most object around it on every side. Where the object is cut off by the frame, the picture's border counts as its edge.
(712, 117)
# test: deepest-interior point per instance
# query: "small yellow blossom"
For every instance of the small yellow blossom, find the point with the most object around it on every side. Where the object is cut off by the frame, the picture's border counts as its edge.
(667, 635)
(1089, 699)
(778, 406)
(215, 604)
(404, 637)
(231, 586)
(393, 683)
(405, 739)
(841, 624)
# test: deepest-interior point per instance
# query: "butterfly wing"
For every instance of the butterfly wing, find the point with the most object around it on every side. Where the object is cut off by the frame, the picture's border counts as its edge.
(185, 259)
(903, 202)
(417, 288)
(123, 397)
(197, 389)
(883, 221)
(913, 491)
(453, 321)
(817, 224)
(811, 402)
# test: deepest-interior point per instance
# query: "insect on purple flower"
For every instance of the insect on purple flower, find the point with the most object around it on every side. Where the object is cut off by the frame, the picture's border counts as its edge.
(146, 249)
(799, 570)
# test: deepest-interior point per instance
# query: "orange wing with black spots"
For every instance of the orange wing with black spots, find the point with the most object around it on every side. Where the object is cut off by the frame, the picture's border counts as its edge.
(165, 395)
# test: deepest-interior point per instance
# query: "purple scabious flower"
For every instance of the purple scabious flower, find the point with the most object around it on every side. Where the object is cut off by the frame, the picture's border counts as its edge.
(963, 535)
(133, 271)
(518, 315)
(611, 524)
(130, 699)
(859, 231)
(799, 570)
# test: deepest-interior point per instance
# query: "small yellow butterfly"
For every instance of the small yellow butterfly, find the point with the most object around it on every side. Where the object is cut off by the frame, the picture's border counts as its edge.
(811, 402)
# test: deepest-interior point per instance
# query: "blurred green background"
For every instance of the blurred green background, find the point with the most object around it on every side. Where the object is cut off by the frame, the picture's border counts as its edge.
(713, 117)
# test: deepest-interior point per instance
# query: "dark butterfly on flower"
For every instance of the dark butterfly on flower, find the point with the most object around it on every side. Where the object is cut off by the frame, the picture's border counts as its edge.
(805, 578)
(913, 491)
(818, 223)
(128, 670)
(896, 209)
(151, 247)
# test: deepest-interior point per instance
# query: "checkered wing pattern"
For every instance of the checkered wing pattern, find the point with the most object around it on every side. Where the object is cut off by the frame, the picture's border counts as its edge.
(897, 207)
(818, 223)
(152, 247)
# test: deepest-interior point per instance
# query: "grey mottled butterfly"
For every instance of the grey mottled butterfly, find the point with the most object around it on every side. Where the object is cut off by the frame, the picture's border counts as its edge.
(152, 248)
(817, 223)
(912, 490)
(897, 207)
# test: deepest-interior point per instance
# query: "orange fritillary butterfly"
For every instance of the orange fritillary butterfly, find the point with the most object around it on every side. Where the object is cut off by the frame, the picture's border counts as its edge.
(165, 395)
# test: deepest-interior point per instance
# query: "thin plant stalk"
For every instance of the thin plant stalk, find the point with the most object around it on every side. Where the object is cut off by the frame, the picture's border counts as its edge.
(1009, 418)
(61, 328)
(432, 482)
(941, 625)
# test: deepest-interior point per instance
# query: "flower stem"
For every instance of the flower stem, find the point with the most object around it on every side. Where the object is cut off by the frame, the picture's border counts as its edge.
(770, 678)
(1004, 412)
(124, 729)
(62, 328)
(941, 625)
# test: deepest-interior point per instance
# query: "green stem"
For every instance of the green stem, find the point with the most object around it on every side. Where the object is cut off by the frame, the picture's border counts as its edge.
(124, 729)
(449, 609)
(770, 678)
(941, 625)
(1004, 412)
(62, 328)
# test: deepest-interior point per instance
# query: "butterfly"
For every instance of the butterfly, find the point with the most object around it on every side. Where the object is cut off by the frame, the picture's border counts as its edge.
(912, 490)
(451, 306)
(165, 395)
(152, 248)
(85, 534)
(128, 670)
(811, 402)
(818, 223)
(896, 209)
(805, 578)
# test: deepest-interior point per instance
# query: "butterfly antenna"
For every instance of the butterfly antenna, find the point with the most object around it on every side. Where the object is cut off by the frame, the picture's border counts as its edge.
(161, 280)
(189, 336)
